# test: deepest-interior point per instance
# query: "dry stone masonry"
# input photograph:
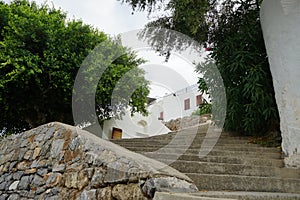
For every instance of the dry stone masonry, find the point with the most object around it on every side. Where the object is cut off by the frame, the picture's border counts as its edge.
(57, 161)
(187, 121)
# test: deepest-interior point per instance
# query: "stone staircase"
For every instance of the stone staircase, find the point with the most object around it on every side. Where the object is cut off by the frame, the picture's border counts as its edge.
(234, 168)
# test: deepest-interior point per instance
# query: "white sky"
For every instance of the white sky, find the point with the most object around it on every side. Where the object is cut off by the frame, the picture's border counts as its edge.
(111, 17)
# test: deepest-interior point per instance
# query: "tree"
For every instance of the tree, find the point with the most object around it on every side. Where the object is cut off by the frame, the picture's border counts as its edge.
(40, 54)
(231, 31)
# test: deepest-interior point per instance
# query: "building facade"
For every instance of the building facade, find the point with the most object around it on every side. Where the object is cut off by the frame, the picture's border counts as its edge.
(178, 104)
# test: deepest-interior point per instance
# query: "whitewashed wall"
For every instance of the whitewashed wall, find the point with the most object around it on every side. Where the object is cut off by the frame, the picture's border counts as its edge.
(136, 126)
(281, 29)
(173, 105)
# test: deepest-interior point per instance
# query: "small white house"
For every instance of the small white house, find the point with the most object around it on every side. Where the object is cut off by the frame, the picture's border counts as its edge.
(136, 126)
(178, 104)
(172, 106)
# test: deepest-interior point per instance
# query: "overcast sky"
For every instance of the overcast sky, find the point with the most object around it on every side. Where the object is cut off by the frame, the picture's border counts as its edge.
(109, 16)
(113, 18)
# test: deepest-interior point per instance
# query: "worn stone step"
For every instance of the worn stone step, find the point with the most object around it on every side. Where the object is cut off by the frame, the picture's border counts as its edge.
(198, 144)
(181, 140)
(244, 183)
(199, 137)
(235, 169)
(232, 160)
(189, 133)
(242, 148)
(228, 160)
(242, 195)
(185, 196)
(194, 157)
(213, 152)
(243, 160)
(195, 143)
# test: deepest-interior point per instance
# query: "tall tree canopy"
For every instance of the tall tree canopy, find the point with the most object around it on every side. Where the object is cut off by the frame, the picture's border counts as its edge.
(40, 54)
(231, 30)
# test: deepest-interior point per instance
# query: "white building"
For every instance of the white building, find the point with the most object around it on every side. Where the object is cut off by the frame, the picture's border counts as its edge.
(172, 106)
(136, 126)
(178, 104)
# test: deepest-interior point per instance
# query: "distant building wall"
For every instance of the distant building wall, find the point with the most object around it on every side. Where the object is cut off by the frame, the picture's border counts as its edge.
(177, 105)
(136, 126)
(172, 106)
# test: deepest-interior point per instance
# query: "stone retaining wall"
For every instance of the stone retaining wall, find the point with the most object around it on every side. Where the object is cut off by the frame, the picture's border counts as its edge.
(185, 122)
(57, 161)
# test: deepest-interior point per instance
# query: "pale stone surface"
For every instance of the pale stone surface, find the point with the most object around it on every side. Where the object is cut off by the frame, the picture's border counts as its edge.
(280, 24)
(58, 161)
(128, 192)
(98, 178)
(91, 195)
(24, 183)
(36, 152)
(56, 148)
(14, 197)
(53, 179)
(14, 185)
(105, 193)
(166, 184)
(181, 123)
(59, 167)
(38, 181)
(182, 196)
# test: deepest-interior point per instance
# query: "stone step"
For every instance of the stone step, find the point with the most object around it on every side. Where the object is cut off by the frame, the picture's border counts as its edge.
(244, 183)
(195, 157)
(234, 169)
(198, 144)
(196, 135)
(244, 161)
(234, 164)
(221, 141)
(213, 152)
(228, 160)
(242, 195)
(185, 196)
(189, 133)
(167, 138)
(216, 147)
(195, 141)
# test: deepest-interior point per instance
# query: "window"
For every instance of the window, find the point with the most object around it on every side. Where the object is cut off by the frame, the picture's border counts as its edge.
(187, 105)
(161, 116)
(198, 100)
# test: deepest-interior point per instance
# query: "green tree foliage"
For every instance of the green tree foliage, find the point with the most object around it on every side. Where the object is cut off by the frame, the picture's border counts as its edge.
(204, 108)
(40, 54)
(231, 30)
(240, 54)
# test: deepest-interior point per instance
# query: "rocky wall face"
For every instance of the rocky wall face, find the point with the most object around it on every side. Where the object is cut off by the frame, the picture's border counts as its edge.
(186, 122)
(280, 24)
(57, 161)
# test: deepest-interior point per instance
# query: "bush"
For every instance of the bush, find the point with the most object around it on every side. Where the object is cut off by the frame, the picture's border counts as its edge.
(204, 108)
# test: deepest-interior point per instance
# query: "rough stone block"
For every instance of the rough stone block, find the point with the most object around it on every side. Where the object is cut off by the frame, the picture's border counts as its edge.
(128, 192)
(14, 185)
(105, 193)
